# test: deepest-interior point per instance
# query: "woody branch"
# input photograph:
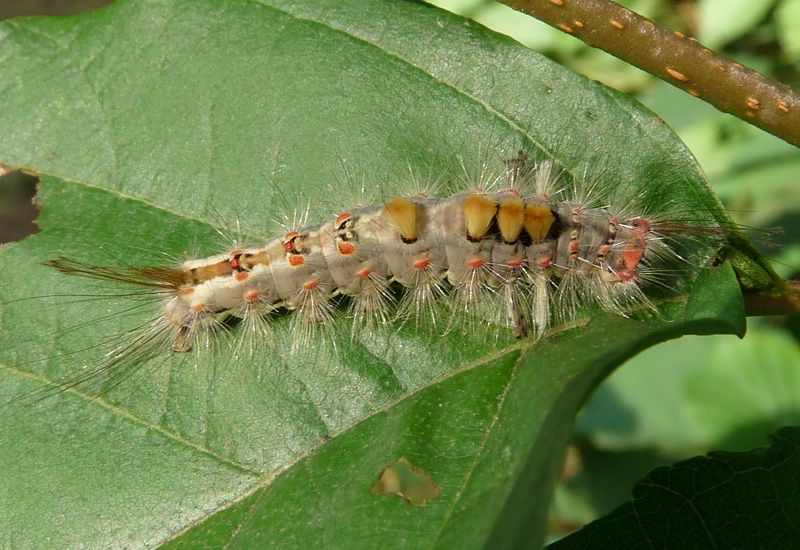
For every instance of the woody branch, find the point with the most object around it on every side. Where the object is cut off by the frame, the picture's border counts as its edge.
(675, 58)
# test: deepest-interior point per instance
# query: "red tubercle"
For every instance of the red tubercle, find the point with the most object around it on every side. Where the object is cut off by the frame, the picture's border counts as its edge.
(288, 243)
(476, 263)
(545, 262)
(251, 295)
(364, 273)
(242, 276)
(346, 248)
(342, 218)
(421, 263)
(631, 258)
(515, 262)
(642, 224)
(311, 285)
(296, 261)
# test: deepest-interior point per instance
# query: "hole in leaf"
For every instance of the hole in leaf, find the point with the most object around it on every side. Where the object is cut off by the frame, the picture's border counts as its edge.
(406, 481)
(17, 207)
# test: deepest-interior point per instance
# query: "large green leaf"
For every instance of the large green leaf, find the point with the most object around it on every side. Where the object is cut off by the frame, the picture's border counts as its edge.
(155, 124)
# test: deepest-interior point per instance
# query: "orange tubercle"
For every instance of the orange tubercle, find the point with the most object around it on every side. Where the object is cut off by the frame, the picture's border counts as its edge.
(251, 296)
(642, 224)
(296, 261)
(476, 263)
(288, 244)
(544, 262)
(364, 273)
(422, 263)
(346, 248)
(311, 285)
(632, 258)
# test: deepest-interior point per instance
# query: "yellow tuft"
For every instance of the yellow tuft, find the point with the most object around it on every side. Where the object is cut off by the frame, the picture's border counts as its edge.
(479, 211)
(510, 217)
(538, 219)
(404, 216)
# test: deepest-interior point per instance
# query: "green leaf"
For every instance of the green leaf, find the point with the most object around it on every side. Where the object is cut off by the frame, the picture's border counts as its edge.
(786, 16)
(156, 124)
(722, 21)
(722, 500)
(699, 393)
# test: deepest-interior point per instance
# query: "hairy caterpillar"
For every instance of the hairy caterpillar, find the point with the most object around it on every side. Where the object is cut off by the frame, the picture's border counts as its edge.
(522, 249)
(298, 402)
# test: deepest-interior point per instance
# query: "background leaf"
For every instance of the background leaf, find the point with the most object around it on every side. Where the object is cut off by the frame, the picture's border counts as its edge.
(786, 14)
(153, 125)
(722, 22)
(691, 504)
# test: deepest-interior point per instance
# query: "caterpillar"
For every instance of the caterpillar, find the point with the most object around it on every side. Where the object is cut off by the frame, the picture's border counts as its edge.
(520, 250)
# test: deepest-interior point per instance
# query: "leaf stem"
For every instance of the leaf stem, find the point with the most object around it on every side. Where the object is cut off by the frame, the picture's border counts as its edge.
(784, 300)
(680, 60)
